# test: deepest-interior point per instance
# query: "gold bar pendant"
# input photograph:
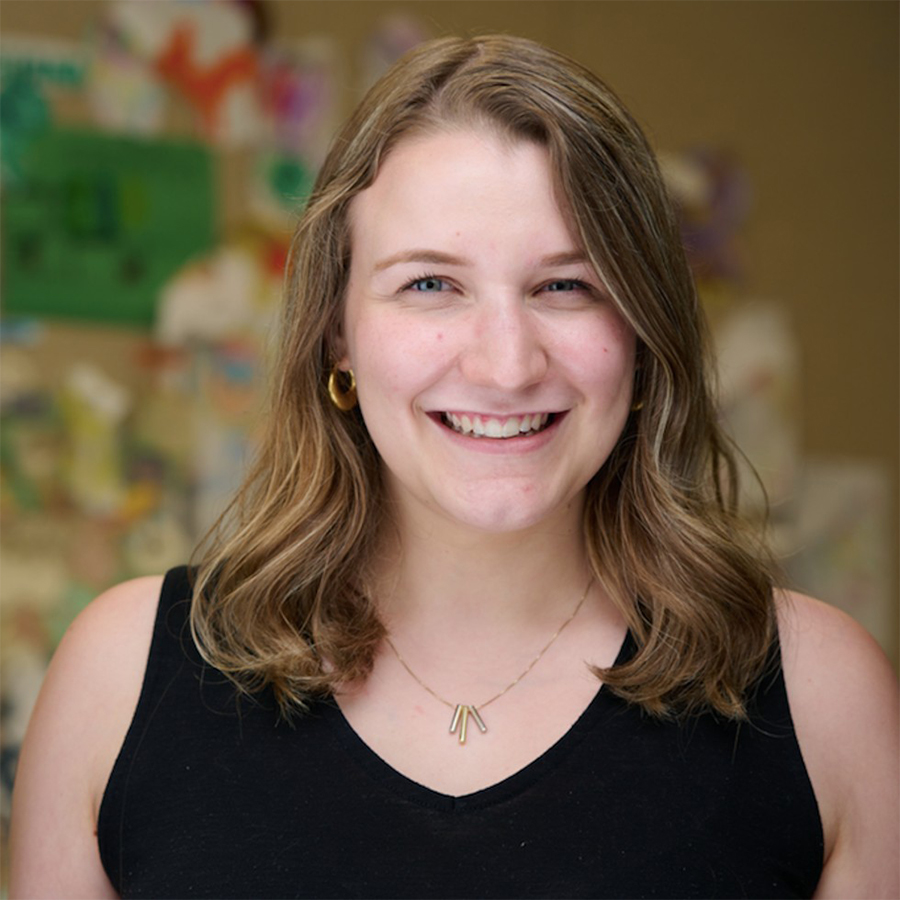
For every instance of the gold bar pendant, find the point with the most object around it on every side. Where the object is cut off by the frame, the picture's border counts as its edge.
(461, 720)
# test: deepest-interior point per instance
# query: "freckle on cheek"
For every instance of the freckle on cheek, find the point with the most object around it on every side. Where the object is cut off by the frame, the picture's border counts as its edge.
(440, 336)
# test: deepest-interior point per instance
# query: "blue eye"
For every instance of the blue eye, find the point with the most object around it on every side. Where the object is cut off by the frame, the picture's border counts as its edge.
(428, 285)
(566, 284)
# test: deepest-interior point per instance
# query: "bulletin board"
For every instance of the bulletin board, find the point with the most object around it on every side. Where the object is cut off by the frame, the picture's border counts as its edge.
(96, 224)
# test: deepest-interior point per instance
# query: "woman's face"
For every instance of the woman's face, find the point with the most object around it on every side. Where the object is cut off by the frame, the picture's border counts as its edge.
(493, 374)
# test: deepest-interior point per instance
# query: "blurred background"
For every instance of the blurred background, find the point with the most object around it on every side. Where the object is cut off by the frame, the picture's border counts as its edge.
(154, 157)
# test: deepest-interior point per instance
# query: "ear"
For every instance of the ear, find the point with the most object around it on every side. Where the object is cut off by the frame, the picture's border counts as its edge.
(337, 345)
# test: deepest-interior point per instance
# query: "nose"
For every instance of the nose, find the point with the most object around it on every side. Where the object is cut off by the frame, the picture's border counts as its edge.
(506, 350)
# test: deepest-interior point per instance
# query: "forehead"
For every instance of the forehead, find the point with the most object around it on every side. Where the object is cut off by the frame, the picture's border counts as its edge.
(450, 184)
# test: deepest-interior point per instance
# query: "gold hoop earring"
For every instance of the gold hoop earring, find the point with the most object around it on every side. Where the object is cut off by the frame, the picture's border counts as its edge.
(343, 400)
(636, 407)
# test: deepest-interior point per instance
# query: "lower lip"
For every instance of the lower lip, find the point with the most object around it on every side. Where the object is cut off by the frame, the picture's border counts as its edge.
(502, 446)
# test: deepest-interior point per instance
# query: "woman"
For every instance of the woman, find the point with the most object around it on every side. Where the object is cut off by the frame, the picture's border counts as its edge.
(492, 482)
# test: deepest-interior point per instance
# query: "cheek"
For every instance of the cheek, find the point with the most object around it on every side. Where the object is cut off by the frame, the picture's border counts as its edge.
(396, 357)
(603, 361)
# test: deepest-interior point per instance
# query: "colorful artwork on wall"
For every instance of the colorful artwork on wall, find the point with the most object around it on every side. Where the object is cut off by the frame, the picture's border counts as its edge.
(97, 224)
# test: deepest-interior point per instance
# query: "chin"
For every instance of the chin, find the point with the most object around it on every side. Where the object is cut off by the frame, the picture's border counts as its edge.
(504, 517)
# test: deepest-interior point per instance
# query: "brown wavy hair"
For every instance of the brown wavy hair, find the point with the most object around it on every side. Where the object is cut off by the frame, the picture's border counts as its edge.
(280, 595)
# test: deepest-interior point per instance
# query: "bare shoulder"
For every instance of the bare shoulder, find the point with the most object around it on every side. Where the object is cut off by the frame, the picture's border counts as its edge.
(119, 622)
(824, 648)
(833, 666)
(79, 722)
(98, 668)
(844, 701)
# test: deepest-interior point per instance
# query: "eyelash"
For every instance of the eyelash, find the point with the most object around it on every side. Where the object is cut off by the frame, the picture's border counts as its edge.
(410, 285)
(576, 285)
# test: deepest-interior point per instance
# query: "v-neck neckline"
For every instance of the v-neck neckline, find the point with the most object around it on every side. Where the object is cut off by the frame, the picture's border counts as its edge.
(395, 781)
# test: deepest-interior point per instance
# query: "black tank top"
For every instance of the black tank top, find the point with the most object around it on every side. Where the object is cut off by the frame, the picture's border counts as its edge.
(211, 798)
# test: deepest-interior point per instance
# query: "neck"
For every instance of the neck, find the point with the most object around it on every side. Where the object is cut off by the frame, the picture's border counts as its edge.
(461, 580)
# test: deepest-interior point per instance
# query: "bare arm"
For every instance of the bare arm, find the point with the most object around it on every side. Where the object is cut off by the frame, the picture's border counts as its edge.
(844, 702)
(78, 725)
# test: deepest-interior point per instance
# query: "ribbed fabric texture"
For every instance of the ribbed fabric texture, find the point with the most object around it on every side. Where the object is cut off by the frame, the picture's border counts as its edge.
(214, 798)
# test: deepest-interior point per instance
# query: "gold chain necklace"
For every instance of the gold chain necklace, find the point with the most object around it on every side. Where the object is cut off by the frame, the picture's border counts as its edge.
(462, 711)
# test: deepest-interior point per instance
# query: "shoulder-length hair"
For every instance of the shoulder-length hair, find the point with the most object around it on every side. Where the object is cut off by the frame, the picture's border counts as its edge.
(280, 595)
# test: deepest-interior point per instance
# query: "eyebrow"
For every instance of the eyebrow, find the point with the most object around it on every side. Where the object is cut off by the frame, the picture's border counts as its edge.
(432, 257)
(437, 258)
(563, 259)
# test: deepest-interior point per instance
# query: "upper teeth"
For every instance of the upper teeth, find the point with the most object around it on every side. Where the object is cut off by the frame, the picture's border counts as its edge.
(487, 426)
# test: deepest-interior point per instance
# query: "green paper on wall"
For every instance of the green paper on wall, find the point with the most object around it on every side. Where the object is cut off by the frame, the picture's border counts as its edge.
(97, 224)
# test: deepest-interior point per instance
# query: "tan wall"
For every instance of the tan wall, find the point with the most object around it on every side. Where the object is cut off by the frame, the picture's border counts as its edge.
(805, 93)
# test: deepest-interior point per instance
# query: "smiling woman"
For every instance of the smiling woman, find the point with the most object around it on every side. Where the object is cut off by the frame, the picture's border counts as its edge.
(495, 387)
(485, 595)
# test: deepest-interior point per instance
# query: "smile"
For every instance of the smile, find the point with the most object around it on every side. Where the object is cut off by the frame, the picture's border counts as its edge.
(504, 428)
